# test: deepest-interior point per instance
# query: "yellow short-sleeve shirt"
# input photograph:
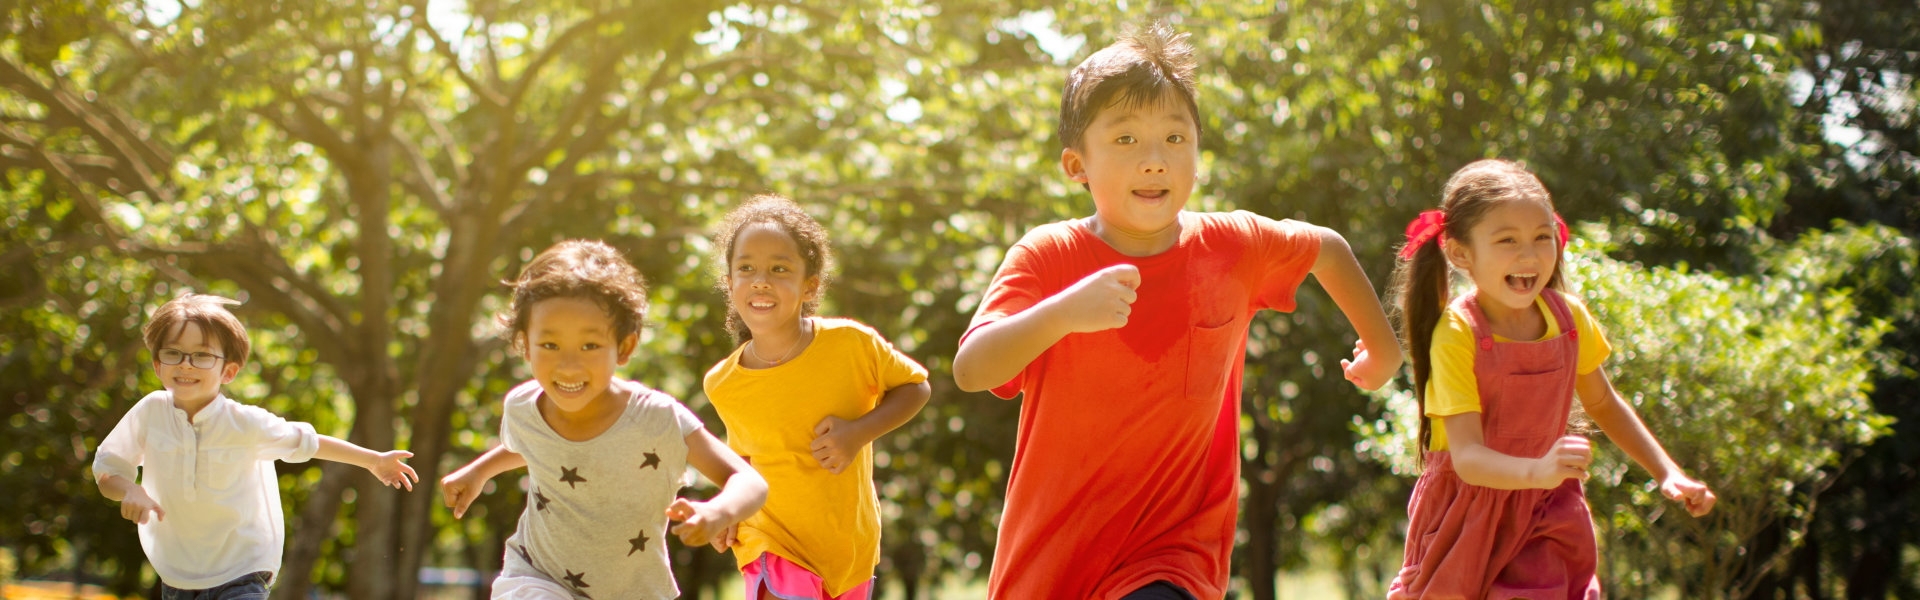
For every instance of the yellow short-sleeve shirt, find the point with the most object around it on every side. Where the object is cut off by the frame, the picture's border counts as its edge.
(1453, 389)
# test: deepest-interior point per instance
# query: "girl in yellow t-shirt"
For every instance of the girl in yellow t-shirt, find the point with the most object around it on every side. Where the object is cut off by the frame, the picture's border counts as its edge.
(803, 397)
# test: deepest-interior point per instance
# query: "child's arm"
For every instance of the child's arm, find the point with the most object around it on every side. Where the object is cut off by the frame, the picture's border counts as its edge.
(459, 488)
(996, 352)
(1376, 357)
(133, 499)
(838, 440)
(390, 466)
(1482, 466)
(742, 491)
(1625, 429)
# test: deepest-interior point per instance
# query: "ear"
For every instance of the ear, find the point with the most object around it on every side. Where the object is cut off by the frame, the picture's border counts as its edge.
(813, 288)
(1073, 164)
(228, 370)
(1457, 253)
(627, 344)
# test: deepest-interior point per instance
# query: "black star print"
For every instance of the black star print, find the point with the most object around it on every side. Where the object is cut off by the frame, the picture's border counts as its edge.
(523, 554)
(639, 543)
(577, 580)
(540, 500)
(653, 460)
(570, 477)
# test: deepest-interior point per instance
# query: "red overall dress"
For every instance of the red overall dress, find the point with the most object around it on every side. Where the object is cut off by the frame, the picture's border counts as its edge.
(1468, 541)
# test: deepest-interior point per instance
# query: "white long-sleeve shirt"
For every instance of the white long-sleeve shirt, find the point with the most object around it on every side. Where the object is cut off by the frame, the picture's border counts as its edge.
(213, 476)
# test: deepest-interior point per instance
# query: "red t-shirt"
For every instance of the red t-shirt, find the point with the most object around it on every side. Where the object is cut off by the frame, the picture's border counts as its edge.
(1127, 462)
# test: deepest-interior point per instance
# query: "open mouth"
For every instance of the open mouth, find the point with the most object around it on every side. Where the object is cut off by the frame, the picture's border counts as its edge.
(1522, 283)
(760, 304)
(569, 387)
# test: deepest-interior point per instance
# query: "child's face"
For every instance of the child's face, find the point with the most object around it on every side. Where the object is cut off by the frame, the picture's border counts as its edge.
(766, 278)
(192, 385)
(1140, 162)
(571, 345)
(1513, 253)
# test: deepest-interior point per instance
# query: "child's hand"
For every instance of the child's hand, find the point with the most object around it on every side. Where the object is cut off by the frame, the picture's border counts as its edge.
(1695, 495)
(393, 471)
(1366, 370)
(832, 445)
(728, 538)
(137, 504)
(458, 490)
(1100, 301)
(700, 522)
(1568, 459)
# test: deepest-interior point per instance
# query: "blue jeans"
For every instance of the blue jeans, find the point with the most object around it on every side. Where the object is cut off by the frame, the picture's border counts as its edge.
(252, 586)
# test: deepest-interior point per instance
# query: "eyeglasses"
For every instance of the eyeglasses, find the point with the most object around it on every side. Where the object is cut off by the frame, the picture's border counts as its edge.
(200, 360)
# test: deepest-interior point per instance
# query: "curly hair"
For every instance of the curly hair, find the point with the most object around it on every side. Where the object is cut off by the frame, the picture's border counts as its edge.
(587, 269)
(807, 234)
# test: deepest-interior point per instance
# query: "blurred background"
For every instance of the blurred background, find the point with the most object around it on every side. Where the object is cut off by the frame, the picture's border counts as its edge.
(1741, 174)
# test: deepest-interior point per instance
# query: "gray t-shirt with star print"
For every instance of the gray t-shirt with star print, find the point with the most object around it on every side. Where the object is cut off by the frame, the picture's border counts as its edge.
(595, 521)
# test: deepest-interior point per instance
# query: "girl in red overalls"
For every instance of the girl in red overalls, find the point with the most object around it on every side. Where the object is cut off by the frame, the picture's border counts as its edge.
(1498, 511)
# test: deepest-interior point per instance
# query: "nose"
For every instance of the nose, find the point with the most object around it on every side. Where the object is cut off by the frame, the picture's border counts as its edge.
(1155, 160)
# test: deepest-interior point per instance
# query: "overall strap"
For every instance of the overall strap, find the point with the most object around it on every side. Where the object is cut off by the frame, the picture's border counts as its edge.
(1562, 313)
(1469, 306)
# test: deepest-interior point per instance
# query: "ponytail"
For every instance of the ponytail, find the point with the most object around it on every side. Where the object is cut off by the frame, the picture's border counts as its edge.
(1421, 292)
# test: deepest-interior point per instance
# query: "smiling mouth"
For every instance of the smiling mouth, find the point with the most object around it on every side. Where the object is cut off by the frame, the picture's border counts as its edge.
(1151, 194)
(1522, 283)
(570, 387)
(760, 304)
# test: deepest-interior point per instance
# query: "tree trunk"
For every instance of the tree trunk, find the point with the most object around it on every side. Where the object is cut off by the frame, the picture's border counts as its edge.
(310, 533)
(1262, 510)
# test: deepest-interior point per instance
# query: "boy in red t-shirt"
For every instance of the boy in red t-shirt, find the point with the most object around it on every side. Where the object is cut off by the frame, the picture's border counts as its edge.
(1127, 332)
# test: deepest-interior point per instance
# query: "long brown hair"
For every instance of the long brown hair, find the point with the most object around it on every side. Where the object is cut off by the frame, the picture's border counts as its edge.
(1422, 283)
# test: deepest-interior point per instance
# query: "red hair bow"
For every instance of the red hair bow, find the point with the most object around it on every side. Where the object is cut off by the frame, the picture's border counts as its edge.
(1429, 224)
(1422, 230)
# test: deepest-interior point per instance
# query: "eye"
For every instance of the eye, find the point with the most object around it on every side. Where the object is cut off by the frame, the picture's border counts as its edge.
(781, 269)
(1123, 140)
(547, 346)
(590, 346)
(744, 268)
(1177, 139)
(1507, 240)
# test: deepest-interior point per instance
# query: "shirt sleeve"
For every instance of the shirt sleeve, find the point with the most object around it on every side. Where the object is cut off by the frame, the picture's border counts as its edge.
(275, 438)
(1016, 287)
(124, 449)
(684, 418)
(1288, 249)
(1594, 347)
(894, 367)
(1452, 387)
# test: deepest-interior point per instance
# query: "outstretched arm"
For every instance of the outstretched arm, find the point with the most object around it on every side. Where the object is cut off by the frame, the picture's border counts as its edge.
(836, 441)
(1623, 426)
(133, 499)
(1376, 357)
(996, 352)
(390, 467)
(742, 492)
(1485, 467)
(459, 488)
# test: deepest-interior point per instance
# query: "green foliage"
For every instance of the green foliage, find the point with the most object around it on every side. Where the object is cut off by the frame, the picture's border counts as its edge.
(1718, 367)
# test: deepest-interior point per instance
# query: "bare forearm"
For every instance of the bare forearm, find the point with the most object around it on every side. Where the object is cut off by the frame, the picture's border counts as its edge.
(1485, 467)
(998, 351)
(1339, 273)
(1626, 430)
(115, 487)
(896, 408)
(342, 451)
(494, 462)
(743, 493)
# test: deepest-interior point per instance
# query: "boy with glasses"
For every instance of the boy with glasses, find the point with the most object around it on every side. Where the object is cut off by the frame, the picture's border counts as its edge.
(206, 498)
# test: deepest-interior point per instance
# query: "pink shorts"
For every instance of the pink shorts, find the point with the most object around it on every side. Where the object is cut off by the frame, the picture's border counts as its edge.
(789, 581)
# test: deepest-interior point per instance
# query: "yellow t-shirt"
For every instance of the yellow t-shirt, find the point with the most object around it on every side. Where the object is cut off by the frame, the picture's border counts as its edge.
(1453, 389)
(827, 523)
